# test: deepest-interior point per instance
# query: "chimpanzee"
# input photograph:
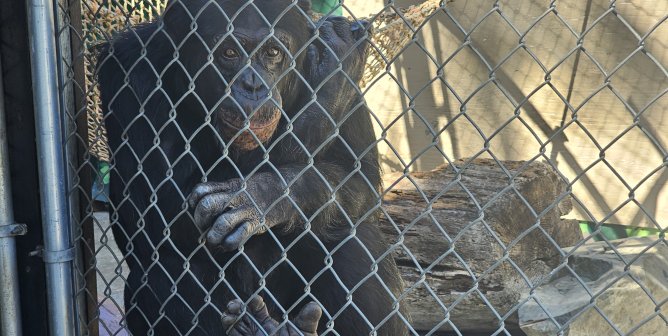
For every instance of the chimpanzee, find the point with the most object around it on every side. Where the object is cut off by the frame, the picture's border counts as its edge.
(245, 180)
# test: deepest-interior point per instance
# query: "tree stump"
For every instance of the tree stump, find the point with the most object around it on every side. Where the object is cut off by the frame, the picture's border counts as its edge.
(476, 238)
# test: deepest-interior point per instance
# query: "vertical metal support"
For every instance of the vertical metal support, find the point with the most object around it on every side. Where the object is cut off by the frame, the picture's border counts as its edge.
(10, 305)
(68, 22)
(58, 251)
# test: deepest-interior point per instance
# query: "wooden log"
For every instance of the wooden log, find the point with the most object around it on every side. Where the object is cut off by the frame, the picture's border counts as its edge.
(475, 239)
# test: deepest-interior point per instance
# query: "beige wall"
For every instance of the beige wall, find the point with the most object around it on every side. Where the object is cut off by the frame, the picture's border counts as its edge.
(411, 125)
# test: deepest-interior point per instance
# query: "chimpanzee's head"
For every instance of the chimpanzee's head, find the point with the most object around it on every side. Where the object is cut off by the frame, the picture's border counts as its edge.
(243, 57)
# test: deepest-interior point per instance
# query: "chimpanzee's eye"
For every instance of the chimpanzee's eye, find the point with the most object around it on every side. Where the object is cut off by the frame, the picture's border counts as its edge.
(230, 53)
(273, 52)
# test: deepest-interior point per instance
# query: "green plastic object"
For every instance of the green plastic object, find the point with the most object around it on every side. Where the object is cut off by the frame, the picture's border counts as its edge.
(613, 231)
(331, 7)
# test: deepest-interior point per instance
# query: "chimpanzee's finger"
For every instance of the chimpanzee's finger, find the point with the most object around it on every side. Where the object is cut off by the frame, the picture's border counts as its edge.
(229, 320)
(224, 225)
(229, 325)
(260, 313)
(207, 188)
(326, 31)
(242, 327)
(233, 240)
(259, 309)
(359, 27)
(209, 207)
(307, 319)
(330, 42)
(342, 27)
(231, 316)
(235, 307)
(311, 62)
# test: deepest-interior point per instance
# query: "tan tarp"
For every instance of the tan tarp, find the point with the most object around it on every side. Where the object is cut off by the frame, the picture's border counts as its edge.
(604, 152)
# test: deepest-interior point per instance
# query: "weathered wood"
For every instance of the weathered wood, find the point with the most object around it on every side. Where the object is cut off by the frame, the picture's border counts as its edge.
(483, 232)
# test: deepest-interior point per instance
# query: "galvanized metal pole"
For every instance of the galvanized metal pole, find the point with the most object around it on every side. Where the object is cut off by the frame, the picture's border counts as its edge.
(10, 305)
(58, 251)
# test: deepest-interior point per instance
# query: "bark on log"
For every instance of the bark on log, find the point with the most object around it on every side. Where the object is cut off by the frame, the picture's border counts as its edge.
(476, 238)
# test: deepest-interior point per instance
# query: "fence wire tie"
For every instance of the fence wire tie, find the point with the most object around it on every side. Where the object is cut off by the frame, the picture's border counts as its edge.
(13, 230)
(54, 257)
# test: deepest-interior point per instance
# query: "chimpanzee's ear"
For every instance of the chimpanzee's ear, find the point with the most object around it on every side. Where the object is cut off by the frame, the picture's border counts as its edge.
(305, 5)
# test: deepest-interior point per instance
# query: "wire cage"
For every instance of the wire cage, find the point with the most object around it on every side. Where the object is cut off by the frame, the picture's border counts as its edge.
(450, 197)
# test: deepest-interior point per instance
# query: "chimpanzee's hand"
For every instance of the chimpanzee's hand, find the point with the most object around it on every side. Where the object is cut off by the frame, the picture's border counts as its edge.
(255, 321)
(232, 213)
(344, 39)
(341, 44)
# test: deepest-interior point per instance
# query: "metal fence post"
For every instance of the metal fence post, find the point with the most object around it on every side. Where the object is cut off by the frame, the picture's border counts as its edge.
(10, 311)
(58, 251)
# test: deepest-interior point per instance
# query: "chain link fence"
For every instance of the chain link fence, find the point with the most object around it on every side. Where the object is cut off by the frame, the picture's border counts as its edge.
(501, 129)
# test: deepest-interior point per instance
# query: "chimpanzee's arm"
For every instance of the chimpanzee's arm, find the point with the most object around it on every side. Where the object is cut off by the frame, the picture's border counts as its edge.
(333, 67)
(325, 195)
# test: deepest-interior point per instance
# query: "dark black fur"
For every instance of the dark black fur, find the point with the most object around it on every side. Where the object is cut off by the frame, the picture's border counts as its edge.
(163, 146)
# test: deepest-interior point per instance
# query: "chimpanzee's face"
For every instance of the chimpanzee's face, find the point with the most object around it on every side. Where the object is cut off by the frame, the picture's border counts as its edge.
(241, 58)
(255, 50)
(255, 64)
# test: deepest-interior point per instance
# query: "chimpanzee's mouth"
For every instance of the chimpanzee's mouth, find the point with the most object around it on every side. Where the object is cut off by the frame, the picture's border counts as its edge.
(262, 127)
(257, 123)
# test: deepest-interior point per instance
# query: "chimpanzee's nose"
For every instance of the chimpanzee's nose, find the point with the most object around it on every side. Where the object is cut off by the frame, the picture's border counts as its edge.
(251, 81)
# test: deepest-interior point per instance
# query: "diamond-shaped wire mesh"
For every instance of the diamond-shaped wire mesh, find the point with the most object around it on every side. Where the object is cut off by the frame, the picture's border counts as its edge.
(498, 125)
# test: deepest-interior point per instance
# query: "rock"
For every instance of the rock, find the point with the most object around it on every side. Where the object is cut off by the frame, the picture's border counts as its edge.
(597, 294)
